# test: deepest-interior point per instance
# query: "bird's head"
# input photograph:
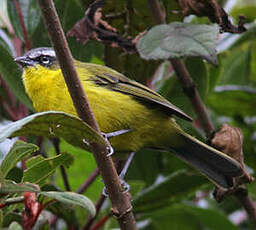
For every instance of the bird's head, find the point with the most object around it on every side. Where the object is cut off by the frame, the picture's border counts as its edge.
(40, 57)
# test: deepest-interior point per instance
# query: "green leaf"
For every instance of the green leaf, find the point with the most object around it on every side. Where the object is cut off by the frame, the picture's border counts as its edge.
(198, 72)
(248, 10)
(15, 226)
(63, 210)
(12, 76)
(15, 174)
(54, 124)
(187, 217)
(252, 64)
(6, 42)
(38, 171)
(248, 35)
(172, 188)
(145, 168)
(84, 164)
(235, 67)
(31, 16)
(176, 40)
(172, 90)
(214, 74)
(72, 199)
(235, 100)
(14, 19)
(12, 187)
(19, 151)
(3, 12)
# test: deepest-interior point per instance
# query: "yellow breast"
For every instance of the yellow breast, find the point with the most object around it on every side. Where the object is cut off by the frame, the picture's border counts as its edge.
(113, 110)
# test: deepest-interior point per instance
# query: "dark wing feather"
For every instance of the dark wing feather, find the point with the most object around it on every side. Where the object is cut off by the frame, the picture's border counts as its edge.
(113, 80)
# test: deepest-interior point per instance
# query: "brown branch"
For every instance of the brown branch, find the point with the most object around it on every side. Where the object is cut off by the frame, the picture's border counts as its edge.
(88, 181)
(242, 195)
(101, 222)
(121, 204)
(28, 43)
(190, 90)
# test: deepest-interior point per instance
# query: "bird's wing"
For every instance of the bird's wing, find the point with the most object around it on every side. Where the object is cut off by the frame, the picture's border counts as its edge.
(113, 80)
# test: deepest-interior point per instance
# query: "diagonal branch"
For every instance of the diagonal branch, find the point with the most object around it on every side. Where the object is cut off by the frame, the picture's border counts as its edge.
(88, 181)
(121, 204)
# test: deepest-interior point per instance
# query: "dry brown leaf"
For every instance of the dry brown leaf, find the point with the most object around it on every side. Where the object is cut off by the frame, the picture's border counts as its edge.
(212, 10)
(92, 26)
(230, 141)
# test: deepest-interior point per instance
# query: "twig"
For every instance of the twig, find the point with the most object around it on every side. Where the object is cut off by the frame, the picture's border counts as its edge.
(121, 204)
(102, 221)
(8, 109)
(28, 43)
(193, 95)
(10, 96)
(98, 206)
(242, 195)
(199, 106)
(11, 201)
(88, 181)
(56, 144)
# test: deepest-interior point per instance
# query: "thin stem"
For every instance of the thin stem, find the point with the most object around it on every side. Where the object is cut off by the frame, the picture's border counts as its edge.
(28, 43)
(88, 181)
(98, 206)
(242, 195)
(11, 201)
(121, 204)
(56, 144)
(193, 95)
(11, 98)
(99, 224)
(7, 108)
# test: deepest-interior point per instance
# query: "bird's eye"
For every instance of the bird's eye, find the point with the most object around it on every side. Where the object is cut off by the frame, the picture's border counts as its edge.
(45, 60)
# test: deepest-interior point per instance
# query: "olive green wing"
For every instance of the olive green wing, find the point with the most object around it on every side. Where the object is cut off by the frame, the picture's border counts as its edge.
(113, 80)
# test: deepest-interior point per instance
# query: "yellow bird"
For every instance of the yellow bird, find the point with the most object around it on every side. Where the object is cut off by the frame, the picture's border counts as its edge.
(119, 103)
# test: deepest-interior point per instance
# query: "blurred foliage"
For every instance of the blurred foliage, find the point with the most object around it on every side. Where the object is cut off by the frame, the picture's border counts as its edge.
(167, 194)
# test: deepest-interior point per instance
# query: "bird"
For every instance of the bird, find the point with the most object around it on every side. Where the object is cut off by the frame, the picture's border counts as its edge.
(119, 103)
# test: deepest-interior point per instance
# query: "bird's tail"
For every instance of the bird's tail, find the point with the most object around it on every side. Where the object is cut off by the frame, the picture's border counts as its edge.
(217, 166)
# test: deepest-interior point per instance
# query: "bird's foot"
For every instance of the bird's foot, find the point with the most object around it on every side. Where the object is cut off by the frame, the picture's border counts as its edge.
(107, 136)
(125, 188)
(124, 184)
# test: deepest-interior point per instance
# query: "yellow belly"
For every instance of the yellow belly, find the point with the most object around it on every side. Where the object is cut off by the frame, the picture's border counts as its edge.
(113, 110)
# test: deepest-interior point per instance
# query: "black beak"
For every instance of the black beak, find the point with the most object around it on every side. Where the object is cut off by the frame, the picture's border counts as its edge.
(24, 61)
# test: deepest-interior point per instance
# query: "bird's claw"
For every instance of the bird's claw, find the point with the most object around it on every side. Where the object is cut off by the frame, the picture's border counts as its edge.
(110, 151)
(125, 188)
(107, 136)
